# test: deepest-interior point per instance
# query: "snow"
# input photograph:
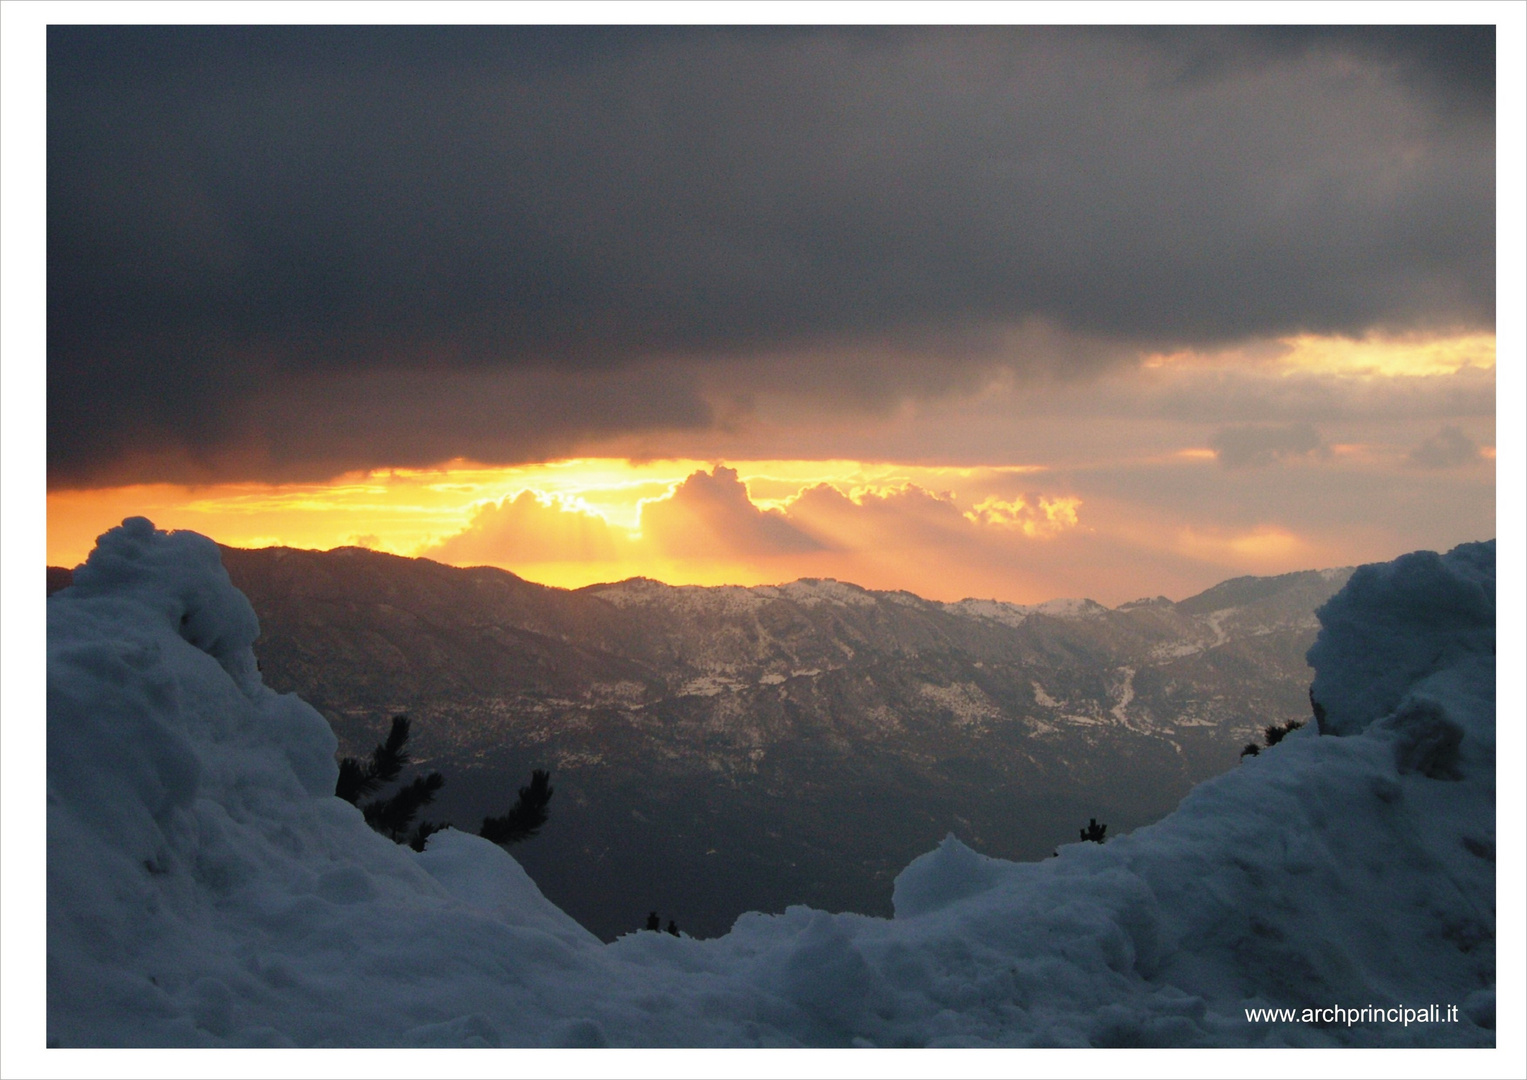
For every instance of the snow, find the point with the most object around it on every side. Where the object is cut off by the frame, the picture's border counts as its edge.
(206, 889)
(811, 592)
(709, 686)
(967, 704)
(692, 599)
(998, 611)
(1369, 655)
(1069, 608)
(738, 599)
(1120, 711)
(1009, 614)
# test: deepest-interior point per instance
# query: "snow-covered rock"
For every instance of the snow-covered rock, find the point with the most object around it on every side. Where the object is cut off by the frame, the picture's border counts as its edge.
(206, 888)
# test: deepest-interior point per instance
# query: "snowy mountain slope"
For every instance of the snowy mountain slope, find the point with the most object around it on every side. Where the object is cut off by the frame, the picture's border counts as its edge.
(205, 889)
(719, 750)
(407, 629)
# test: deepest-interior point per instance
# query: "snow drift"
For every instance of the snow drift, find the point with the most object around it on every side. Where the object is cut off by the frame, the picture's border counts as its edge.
(205, 888)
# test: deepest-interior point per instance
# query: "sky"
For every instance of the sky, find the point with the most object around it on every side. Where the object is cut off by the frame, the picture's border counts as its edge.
(1005, 312)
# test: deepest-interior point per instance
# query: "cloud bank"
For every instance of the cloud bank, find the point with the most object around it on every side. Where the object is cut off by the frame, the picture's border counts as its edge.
(903, 535)
(284, 252)
(710, 515)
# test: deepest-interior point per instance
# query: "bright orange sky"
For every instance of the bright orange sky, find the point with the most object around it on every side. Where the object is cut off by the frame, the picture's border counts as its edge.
(1117, 498)
(581, 521)
(982, 311)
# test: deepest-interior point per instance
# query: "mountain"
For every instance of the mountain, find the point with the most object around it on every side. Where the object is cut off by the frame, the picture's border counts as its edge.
(719, 750)
(205, 888)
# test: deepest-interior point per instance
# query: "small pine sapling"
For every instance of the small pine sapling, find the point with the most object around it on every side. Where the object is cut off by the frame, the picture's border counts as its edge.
(423, 831)
(393, 815)
(358, 779)
(525, 817)
(1275, 732)
(1094, 831)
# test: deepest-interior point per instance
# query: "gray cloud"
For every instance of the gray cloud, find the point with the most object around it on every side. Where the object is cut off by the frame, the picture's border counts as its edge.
(247, 216)
(311, 425)
(1255, 446)
(1447, 449)
(1251, 397)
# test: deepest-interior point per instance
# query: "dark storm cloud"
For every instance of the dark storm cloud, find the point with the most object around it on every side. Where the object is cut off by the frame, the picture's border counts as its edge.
(255, 235)
(1453, 63)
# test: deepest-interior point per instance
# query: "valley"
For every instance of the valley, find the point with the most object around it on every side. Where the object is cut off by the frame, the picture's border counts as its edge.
(719, 750)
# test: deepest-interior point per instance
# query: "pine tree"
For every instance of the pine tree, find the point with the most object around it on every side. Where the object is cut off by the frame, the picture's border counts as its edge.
(423, 831)
(1275, 732)
(525, 817)
(357, 779)
(1094, 831)
(393, 815)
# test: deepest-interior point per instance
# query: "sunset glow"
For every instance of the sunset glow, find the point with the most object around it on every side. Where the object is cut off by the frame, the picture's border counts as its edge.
(1083, 343)
(581, 521)
(1407, 356)
(1022, 532)
(1380, 355)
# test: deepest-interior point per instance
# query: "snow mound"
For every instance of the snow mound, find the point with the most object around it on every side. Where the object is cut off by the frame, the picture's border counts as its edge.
(206, 888)
(948, 873)
(1395, 626)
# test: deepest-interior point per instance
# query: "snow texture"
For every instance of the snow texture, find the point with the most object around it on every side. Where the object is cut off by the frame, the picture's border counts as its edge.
(205, 888)
(1017, 614)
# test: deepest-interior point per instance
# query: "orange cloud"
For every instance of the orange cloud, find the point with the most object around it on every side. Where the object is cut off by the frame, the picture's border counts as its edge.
(710, 515)
(708, 528)
(945, 532)
(1033, 515)
(883, 519)
(533, 528)
(1379, 354)
(1374, 354)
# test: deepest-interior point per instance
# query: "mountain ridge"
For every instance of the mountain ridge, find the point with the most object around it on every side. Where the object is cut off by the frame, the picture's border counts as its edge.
(718, 749)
